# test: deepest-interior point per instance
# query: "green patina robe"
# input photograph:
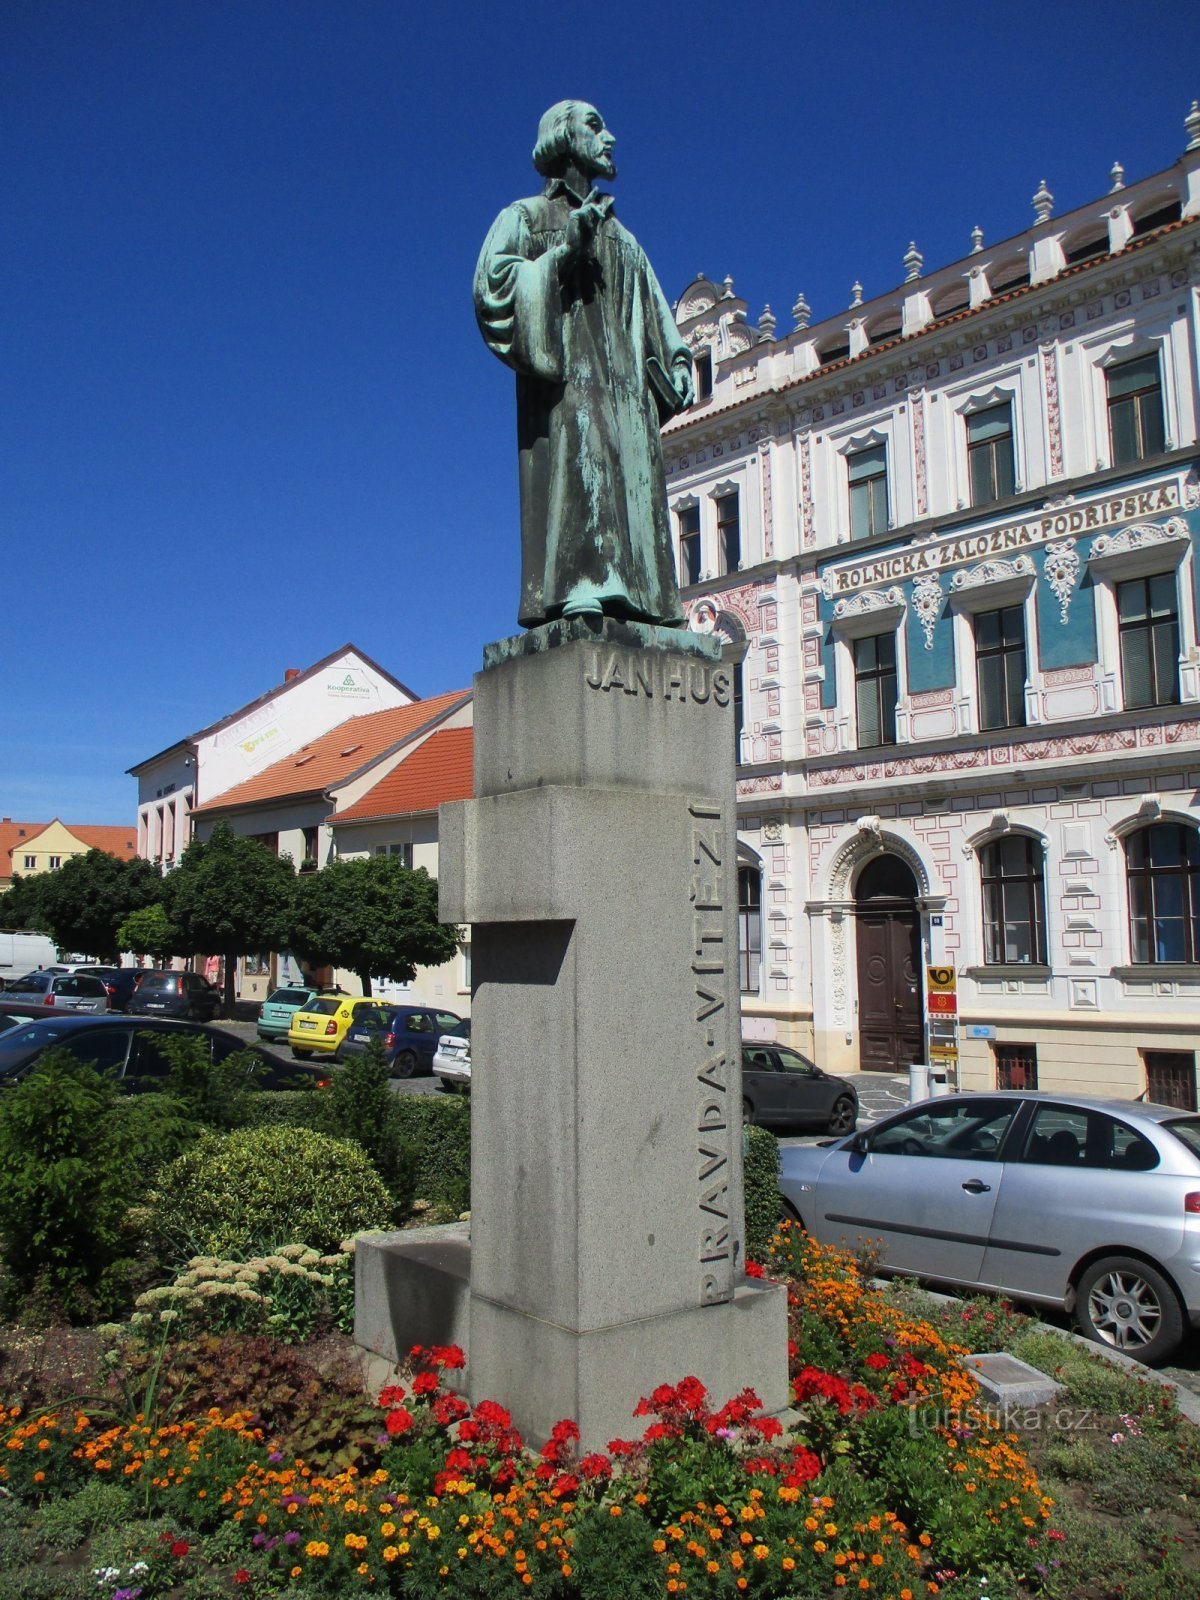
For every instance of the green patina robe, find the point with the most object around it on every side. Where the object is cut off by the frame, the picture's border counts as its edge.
(593, 356)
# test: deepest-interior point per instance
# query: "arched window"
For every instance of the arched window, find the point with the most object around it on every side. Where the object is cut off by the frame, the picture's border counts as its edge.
(1162, 868)
(1014, 901)
(749, 929)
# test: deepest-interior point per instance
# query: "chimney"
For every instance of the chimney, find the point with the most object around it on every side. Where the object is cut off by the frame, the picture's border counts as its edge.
(290, 673)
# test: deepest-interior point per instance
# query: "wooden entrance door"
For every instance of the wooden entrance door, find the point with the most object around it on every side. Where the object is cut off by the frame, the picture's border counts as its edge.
(891, 1024)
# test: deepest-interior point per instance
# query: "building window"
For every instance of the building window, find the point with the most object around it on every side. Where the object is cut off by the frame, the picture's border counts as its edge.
(54, 862)
(729, 533)
(1162, 867)
(1171, 1078)
(990, 454)
(1135, 410)
(739, 712)
(875, 689)
(704, 375)
(402, 851)
(867, 470)
(311, 845)
(749, 929)
(1014, 901)
(689, 545)
(1148, 622)
(1016, 1066)
(30, 863)
(1000, 667)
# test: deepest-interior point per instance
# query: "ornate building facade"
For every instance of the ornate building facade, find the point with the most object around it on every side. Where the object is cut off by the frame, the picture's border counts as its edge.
(950, 538)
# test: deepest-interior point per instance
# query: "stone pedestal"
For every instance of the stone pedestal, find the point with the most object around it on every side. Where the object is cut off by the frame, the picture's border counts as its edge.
(597, 866)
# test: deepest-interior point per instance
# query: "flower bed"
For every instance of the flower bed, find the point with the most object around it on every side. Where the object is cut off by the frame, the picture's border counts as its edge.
(890, 1482)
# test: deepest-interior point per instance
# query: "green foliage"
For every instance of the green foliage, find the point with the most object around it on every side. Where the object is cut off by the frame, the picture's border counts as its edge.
(1094, 1383)
(371, 915)
(240, 1194)
(360, 1105)
(149, 931)
(88, 899)
(23, 906)
(229, 895)
(287, 1108)
(63, 1524)
(65, 1183)
(148, 1131)
(441, 1130)
(218, 1094)
(612, 1555)
(761, 1163)
(292, 1294)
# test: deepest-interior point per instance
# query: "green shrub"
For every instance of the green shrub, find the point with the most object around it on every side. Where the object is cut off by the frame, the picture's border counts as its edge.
(292, 1294)
(761, 1162)
(150, 1130)
(360, 1105)
(286, 1108)
(440, 1127)
(240, 1194)
(65, 1184)
(218, 1094)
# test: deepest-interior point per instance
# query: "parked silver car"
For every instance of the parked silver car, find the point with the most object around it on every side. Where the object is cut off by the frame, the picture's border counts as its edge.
(452, 1058)
(1089, 1205)
(70, 991)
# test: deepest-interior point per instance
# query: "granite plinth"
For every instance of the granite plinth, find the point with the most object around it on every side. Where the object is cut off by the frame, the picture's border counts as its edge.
(597, 865)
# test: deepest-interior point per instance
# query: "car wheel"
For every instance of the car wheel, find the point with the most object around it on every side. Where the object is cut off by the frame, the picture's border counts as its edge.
(843, 1116)
(747, 1109)
(1128, 1305)
(405, 1064)
(788, 1212)
(301, 1055)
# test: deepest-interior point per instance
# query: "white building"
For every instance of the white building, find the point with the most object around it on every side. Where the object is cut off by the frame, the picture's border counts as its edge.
(195, 769)
(950, 537)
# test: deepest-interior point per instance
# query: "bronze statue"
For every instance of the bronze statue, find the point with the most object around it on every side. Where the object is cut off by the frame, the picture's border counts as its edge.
(566, 297)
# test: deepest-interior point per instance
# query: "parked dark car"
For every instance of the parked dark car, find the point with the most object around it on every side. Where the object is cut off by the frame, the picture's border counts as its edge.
(119, 981)
(409, 1035)
(783, 1089)
(127, 1047)
(175, 994)
(66, 991)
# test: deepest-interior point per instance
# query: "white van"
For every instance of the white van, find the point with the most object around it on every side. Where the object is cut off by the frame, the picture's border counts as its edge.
(25, 952)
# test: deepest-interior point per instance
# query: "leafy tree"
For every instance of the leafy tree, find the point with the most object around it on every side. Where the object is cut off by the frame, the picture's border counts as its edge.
(373, 916)
(65, 1186)
(229, 896)
(23, 907)
(149, 931)
(90, 896)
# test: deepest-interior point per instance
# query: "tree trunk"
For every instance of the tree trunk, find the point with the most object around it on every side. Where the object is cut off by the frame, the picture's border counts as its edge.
(230, 969)
(365, 980)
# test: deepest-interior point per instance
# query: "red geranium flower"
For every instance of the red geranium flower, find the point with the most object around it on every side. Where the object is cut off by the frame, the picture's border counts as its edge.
(398, 1421)
(877, 1361)
(180, 1548)
(423, 1383)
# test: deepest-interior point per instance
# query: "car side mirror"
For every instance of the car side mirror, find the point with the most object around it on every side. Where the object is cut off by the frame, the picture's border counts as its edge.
(860, 1144)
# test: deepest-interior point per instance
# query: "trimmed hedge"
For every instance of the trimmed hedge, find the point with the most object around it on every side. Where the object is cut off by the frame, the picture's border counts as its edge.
(761, 1161)
(438, 1125)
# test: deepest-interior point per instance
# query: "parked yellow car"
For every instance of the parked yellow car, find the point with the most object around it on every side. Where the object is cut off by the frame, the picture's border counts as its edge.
(320, 1025)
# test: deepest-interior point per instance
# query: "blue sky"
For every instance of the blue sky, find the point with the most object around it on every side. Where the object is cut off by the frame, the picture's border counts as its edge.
(247, 415)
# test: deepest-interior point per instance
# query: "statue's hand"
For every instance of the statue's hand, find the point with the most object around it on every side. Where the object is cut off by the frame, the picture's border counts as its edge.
(581, 227)
(685, 388)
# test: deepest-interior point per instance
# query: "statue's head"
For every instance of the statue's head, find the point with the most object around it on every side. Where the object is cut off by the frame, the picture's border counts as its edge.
(574, 131)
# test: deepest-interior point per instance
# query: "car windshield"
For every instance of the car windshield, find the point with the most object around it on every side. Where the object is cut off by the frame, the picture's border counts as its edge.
(288, 997)
(1186, 1130)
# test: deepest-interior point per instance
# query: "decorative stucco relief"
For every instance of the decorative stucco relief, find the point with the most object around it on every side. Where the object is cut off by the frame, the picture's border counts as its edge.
(989, 572)
(859, 605)
(1142, 536)
(927, 602)
(1061, 566)
(1053, 409)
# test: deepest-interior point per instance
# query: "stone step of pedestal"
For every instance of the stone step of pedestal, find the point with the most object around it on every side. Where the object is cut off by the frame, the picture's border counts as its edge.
(1011, 1382)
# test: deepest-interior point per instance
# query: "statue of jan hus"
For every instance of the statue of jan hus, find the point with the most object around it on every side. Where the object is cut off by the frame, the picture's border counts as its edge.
(566, 297)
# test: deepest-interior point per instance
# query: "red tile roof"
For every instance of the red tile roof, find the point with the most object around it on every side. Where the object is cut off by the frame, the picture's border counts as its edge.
(117, 841)
(336, 756)
(440, 769)
(18, 836)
